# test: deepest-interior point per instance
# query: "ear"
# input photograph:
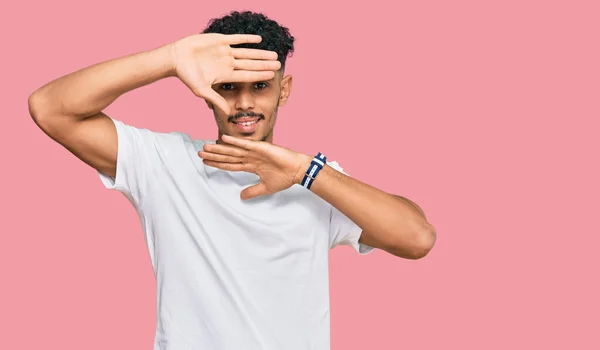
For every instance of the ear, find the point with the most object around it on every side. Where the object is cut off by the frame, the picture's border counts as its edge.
(286, 88)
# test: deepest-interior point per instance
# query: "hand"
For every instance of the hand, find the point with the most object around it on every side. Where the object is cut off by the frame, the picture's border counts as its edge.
(279, 168)
(202, 60)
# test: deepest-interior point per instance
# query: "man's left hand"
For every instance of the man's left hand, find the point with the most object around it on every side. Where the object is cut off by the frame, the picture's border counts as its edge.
(278, 168)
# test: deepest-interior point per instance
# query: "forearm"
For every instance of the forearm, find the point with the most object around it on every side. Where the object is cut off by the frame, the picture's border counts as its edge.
(88, 91)
(389, 222)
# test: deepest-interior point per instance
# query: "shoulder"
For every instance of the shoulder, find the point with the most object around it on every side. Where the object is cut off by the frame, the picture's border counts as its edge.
(158, 140)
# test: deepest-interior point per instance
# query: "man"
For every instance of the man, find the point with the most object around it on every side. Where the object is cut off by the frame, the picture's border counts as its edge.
(238, 229)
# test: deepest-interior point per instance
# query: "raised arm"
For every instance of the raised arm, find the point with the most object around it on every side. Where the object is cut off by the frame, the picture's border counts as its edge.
(69, 109)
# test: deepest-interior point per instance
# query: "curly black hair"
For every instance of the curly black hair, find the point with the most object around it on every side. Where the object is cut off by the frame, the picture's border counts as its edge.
(274, 36)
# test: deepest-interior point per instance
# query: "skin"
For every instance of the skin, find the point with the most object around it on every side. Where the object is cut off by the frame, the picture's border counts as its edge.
(257, 98)
(390, 222)
(70, 111)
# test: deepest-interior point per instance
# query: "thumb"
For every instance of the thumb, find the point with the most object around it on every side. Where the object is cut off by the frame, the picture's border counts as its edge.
(213, 97)
(254, 191)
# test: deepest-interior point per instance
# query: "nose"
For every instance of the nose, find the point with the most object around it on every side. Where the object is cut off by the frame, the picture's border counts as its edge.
(244, 101)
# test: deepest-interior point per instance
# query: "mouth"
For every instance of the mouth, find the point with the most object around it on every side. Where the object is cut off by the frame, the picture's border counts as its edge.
(246, 124)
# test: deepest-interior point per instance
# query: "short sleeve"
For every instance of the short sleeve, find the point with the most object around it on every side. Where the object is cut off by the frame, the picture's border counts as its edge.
(342, 230)
(136, 156)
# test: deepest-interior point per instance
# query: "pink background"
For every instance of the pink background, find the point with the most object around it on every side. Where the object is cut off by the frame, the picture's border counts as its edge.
(484, 113)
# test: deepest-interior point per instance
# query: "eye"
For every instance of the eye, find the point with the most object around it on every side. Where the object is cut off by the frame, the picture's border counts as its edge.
(261, 85)
(227, 86)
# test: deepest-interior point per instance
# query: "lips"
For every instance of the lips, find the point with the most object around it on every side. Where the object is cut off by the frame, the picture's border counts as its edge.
(246, 121)
(246, 124)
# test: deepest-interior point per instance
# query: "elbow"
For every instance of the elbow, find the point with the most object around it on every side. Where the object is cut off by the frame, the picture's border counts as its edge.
(39, 111)
(426, 241)
(422, 243)
(35, 103)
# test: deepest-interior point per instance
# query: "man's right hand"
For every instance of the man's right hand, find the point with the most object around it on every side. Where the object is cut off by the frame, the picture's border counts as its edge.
(70, 109)
(202, 60)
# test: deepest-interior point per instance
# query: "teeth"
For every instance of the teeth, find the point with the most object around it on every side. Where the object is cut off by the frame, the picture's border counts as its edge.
(247, 123)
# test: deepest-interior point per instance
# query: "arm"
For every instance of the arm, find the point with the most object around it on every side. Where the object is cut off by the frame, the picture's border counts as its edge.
(69, 109)
(389, 222)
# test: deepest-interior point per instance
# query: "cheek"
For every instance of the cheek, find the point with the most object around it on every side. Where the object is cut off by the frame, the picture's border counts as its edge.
(268, 104)
(220, 119)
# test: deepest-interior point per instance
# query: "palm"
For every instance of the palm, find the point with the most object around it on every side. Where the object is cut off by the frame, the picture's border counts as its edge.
(203, 60)
(197, 78)
(278, 167)
(274, 180)
(203, 64)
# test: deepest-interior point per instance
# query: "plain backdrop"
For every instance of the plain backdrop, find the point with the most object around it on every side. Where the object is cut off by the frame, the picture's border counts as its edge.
(485, 113)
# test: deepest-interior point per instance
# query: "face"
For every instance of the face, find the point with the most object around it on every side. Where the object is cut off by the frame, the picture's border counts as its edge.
(253, 107)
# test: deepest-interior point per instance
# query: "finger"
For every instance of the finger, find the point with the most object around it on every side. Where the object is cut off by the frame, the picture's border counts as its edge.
(213, 97)
(225, 166)
(235, 39)
(221, 158)
(256, 65)
(226, 150)
(254, 191)
(242, 143)
(247, 76)
(254, 54)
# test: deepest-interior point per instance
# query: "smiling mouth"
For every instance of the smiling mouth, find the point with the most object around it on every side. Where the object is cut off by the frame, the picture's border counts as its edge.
(246, 123)
(247, 120)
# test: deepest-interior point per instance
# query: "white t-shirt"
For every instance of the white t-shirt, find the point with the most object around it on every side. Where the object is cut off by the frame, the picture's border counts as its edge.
(231, 274)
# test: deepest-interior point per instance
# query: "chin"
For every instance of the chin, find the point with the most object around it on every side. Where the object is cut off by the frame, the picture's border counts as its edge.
(256, 135)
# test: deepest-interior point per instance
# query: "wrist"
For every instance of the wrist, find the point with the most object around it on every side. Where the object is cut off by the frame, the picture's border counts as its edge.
(310, 169)
(304, 161)
(165, 56)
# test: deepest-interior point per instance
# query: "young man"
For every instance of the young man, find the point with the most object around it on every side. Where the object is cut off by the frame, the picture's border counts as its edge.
(238, 233)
